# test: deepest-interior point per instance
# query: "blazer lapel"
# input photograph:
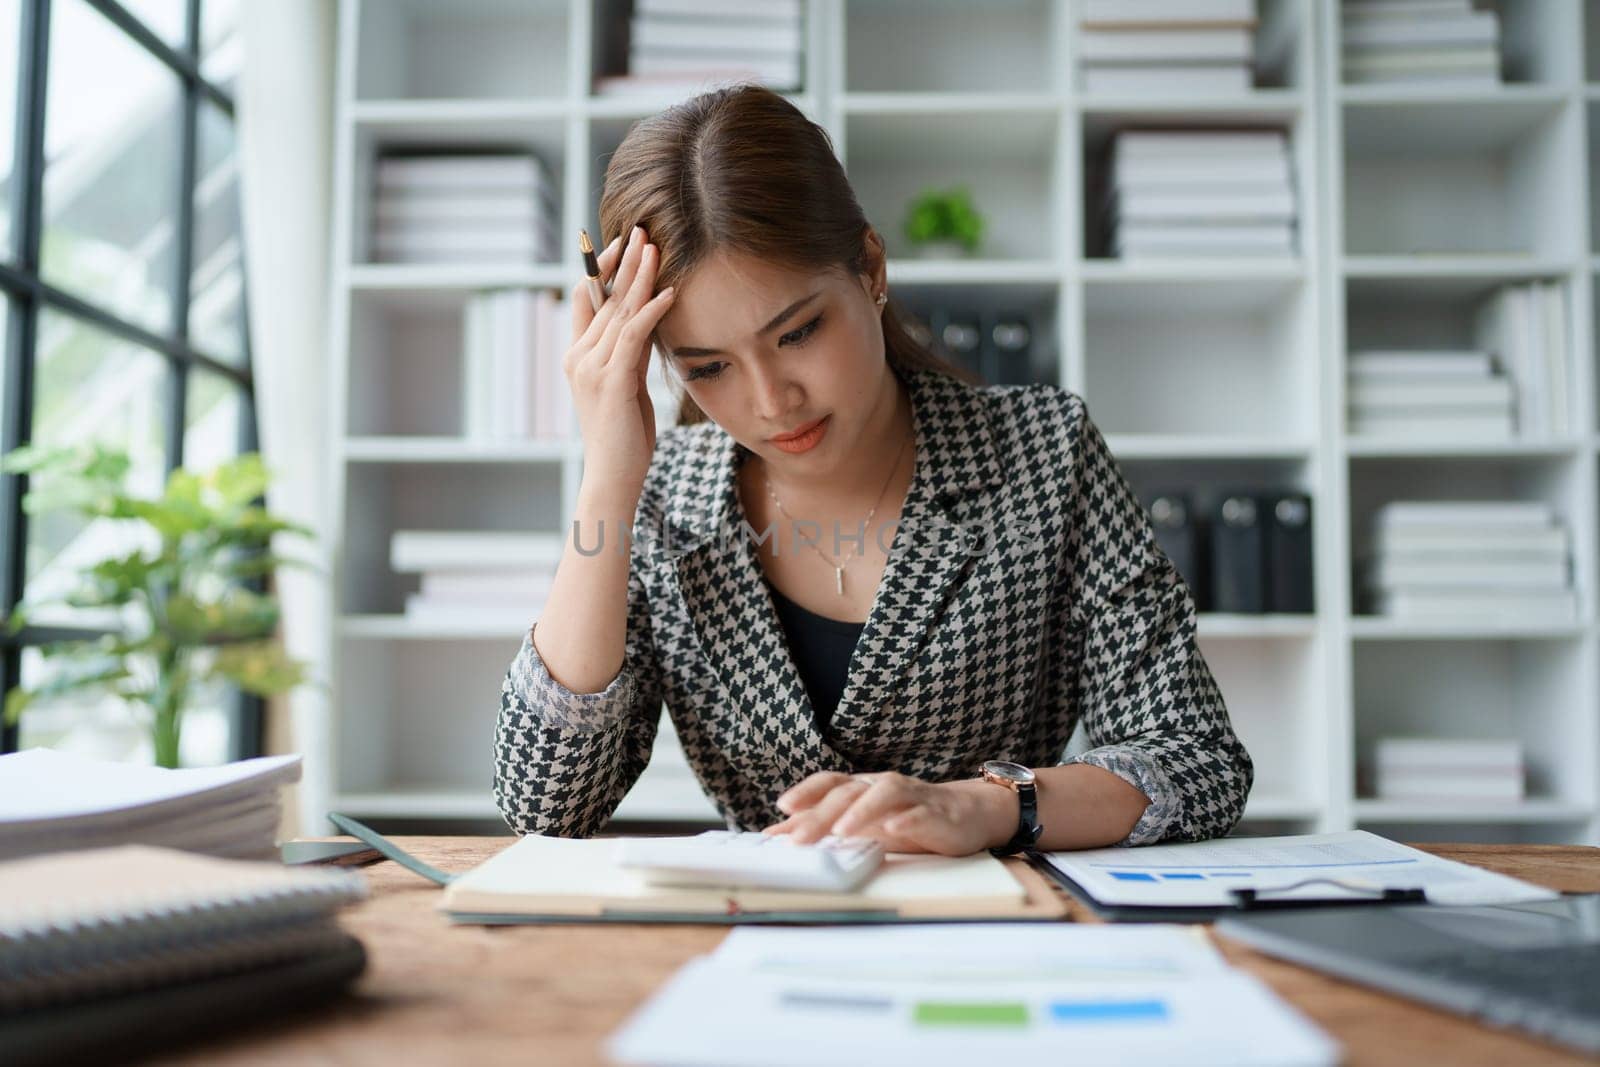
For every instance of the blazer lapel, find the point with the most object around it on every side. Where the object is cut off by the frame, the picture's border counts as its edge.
(956, 462)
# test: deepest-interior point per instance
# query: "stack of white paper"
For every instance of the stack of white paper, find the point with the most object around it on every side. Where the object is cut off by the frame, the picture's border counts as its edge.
(481, 578)
(1201, 193)
(1430, 394)
(1446, 768)
(463, 208)
(1422, 42)
(960, 994)
(1446, 559)
(52, 801)
(683, 45)
(1166, 46)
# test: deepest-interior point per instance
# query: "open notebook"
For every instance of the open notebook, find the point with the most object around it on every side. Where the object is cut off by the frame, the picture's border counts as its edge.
(554, 879)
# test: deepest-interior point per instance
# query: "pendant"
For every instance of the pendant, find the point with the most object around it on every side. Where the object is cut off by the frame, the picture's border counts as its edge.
(838, 579)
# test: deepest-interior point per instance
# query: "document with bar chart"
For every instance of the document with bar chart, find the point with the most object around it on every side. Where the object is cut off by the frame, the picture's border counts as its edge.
(964, 993)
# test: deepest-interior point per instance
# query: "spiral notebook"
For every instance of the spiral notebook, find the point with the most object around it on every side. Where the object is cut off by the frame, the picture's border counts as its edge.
(101, 947)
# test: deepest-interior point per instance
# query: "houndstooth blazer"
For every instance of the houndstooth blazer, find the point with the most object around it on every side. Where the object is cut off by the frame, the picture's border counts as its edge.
(1024, 595)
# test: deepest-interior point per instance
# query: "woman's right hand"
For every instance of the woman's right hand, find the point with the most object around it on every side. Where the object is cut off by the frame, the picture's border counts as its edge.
(607, 364)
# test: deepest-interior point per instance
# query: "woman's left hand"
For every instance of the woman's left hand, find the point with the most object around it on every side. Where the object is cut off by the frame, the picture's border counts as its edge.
(904, 814)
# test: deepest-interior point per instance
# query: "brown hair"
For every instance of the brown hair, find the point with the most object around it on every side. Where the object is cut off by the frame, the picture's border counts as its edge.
(741, 169)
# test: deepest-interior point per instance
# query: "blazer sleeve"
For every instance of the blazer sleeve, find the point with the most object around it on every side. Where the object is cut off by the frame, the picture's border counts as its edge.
(1151, 709)
(564, 760)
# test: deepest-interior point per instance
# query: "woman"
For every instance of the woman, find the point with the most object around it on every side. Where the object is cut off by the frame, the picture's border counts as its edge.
(853, 576)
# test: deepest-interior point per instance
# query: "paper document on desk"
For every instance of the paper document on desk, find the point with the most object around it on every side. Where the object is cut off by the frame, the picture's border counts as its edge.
(1202, 874)
(961, 994)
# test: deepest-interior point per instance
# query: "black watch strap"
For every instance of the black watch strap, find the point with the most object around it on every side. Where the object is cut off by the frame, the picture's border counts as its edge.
(1028, 828)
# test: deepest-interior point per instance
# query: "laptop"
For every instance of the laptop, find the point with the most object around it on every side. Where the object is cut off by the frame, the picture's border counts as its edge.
(1529, 967)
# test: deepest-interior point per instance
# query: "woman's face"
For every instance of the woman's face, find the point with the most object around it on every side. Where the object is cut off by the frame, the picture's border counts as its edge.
(765, 351)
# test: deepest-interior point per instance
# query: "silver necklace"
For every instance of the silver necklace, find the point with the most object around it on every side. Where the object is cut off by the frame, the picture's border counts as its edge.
(838, 568)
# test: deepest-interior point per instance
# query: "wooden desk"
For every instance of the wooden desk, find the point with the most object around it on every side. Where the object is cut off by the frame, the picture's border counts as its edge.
(436, 993)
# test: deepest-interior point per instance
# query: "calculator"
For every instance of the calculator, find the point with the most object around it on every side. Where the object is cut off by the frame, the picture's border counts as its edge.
(752, 860)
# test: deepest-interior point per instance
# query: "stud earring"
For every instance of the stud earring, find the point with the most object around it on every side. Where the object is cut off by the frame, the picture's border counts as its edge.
(883, 298)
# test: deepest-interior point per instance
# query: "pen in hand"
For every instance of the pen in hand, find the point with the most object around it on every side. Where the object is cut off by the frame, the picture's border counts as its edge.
(591, 267)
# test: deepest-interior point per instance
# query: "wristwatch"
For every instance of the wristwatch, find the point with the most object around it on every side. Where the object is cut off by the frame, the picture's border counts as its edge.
(1020, 781)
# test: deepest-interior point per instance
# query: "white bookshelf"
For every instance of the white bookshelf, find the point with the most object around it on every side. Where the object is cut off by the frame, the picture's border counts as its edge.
(1414, 205)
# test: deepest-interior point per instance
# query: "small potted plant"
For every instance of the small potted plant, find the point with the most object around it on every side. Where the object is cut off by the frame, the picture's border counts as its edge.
(944, 224)
(187, 617)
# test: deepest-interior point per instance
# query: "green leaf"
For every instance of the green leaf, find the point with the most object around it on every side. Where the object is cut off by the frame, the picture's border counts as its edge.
(259, 667)
(239, 481)
(239, 614)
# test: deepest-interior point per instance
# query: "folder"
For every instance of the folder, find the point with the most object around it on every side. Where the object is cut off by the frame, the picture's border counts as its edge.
(565, 880)
(1204, 880)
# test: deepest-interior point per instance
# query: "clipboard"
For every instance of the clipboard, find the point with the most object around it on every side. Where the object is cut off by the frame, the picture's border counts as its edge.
(1245, 901)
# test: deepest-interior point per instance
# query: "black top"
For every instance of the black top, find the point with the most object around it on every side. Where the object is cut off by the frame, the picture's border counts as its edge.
(821, 648)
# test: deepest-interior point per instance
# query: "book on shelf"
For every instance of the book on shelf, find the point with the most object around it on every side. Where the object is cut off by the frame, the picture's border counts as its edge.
(1481, 573)
(1384, 364)
(1451, 605)
(1223, 175)
(1099, 46)
(1493, 394)
(1438, 540)
(773, 10)
(1524, 324)
(438, 550)
(1162, 205)
(1487, 567)
(462, 208)
(1469, 28)
(1433, 425)
(1463, 514)
(1207, 239)
(1351, 10)
(1139, 14)
(478, 583)
(1429, 768)
(1200, 192)
(774, 70)
(1163, 77)
(1468, 64)
(513, 386)
(766, 36)
(512, 617)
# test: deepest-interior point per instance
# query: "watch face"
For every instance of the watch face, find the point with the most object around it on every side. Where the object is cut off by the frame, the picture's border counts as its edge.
(1010, 772)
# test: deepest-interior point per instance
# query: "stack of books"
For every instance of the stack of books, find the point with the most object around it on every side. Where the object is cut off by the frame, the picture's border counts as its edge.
(1445, 560)
(482, 579)
(679, 46)
(1437, 768)
(1200, 193)
(1525, 326)
(52, 801)
(1166, 46)
(1428, 394)
(1420, 42)
(110, 953)
(464, 208)
(513, 384)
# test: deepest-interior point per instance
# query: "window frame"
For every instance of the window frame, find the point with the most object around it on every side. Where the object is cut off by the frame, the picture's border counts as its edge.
(27, 294)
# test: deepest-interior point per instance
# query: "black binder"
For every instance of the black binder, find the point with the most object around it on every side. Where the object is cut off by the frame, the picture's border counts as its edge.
(1173, 519)
(1007, 348)
(1288, 525)
(960, 335)
(1238, 570)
